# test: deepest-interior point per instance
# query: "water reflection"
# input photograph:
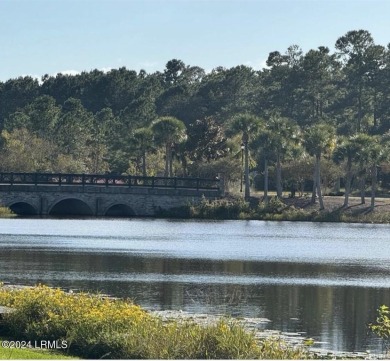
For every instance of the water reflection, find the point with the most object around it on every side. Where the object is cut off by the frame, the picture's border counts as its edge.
(242, 271)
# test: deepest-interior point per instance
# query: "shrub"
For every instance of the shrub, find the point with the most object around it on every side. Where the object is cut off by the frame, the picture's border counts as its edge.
(289, 214)
(275, 205)
(98, 327)
(220, 209)
(382, 325)
(82, 319)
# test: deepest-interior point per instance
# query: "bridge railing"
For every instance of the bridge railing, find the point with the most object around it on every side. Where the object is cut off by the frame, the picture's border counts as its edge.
(109, 180)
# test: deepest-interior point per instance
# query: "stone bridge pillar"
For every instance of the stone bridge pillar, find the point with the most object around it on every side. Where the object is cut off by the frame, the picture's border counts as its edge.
(43, 206)
(98, 207)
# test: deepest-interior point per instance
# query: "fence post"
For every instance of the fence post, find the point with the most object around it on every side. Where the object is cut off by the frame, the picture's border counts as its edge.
(129, 181)
(59, 179)
(12, 179)
(197, 183)
(36, 178)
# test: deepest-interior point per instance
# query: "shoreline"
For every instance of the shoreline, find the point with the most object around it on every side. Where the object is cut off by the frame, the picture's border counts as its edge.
(297, 209)
(256, 325)
(250, 324)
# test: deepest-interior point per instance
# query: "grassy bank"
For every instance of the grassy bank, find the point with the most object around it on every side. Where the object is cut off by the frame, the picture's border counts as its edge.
(97, 327)
(289, 209)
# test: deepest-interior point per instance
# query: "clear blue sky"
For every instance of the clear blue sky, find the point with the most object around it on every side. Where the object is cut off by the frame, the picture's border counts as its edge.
(50, 36)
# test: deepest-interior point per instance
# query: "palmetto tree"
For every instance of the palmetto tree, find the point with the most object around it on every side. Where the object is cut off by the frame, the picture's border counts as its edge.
(168, 131)
(144, 142)
(364, 143)
(283, 135)
(373, 151)
(348, 150)
(245, 124)
(377, 154)
(318, 138)
(262, 143)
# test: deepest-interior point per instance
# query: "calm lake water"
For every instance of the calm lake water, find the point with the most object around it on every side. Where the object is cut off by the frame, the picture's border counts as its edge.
(324, 279)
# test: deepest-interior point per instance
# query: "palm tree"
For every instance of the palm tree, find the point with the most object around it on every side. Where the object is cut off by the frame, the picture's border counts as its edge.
(318, 139)
(376, 155)
(262, 143)
(347, 150)
(283, 133)
(364, 143)
(168, 131)
(374, 152)
(144, 143)
(246, 124)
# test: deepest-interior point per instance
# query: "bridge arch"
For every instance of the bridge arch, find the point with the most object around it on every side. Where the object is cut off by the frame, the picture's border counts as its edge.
(119, 210)
(70, 206)
(23, 208)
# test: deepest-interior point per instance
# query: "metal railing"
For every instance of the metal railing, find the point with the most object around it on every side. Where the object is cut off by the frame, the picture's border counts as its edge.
(109, 180)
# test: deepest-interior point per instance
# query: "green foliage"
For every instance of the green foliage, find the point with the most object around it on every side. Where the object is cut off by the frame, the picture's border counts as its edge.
(332, 216)
(243, 123)
(305, 100)
(225, 165)
(382, 325)
(142, 144)
(26, 152)
(42, 116)
(276, 210)
(275, 205)
(97, 327)
(206, 141)
(73, 130)
(168, 132)
(237, 208)
(220, 209)
(154, 165)
(319, 138)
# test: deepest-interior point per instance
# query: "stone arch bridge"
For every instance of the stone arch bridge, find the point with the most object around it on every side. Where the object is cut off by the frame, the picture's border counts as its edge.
(102, 195)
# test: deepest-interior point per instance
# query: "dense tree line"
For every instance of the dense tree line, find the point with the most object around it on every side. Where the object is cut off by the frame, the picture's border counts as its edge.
(306, 120)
